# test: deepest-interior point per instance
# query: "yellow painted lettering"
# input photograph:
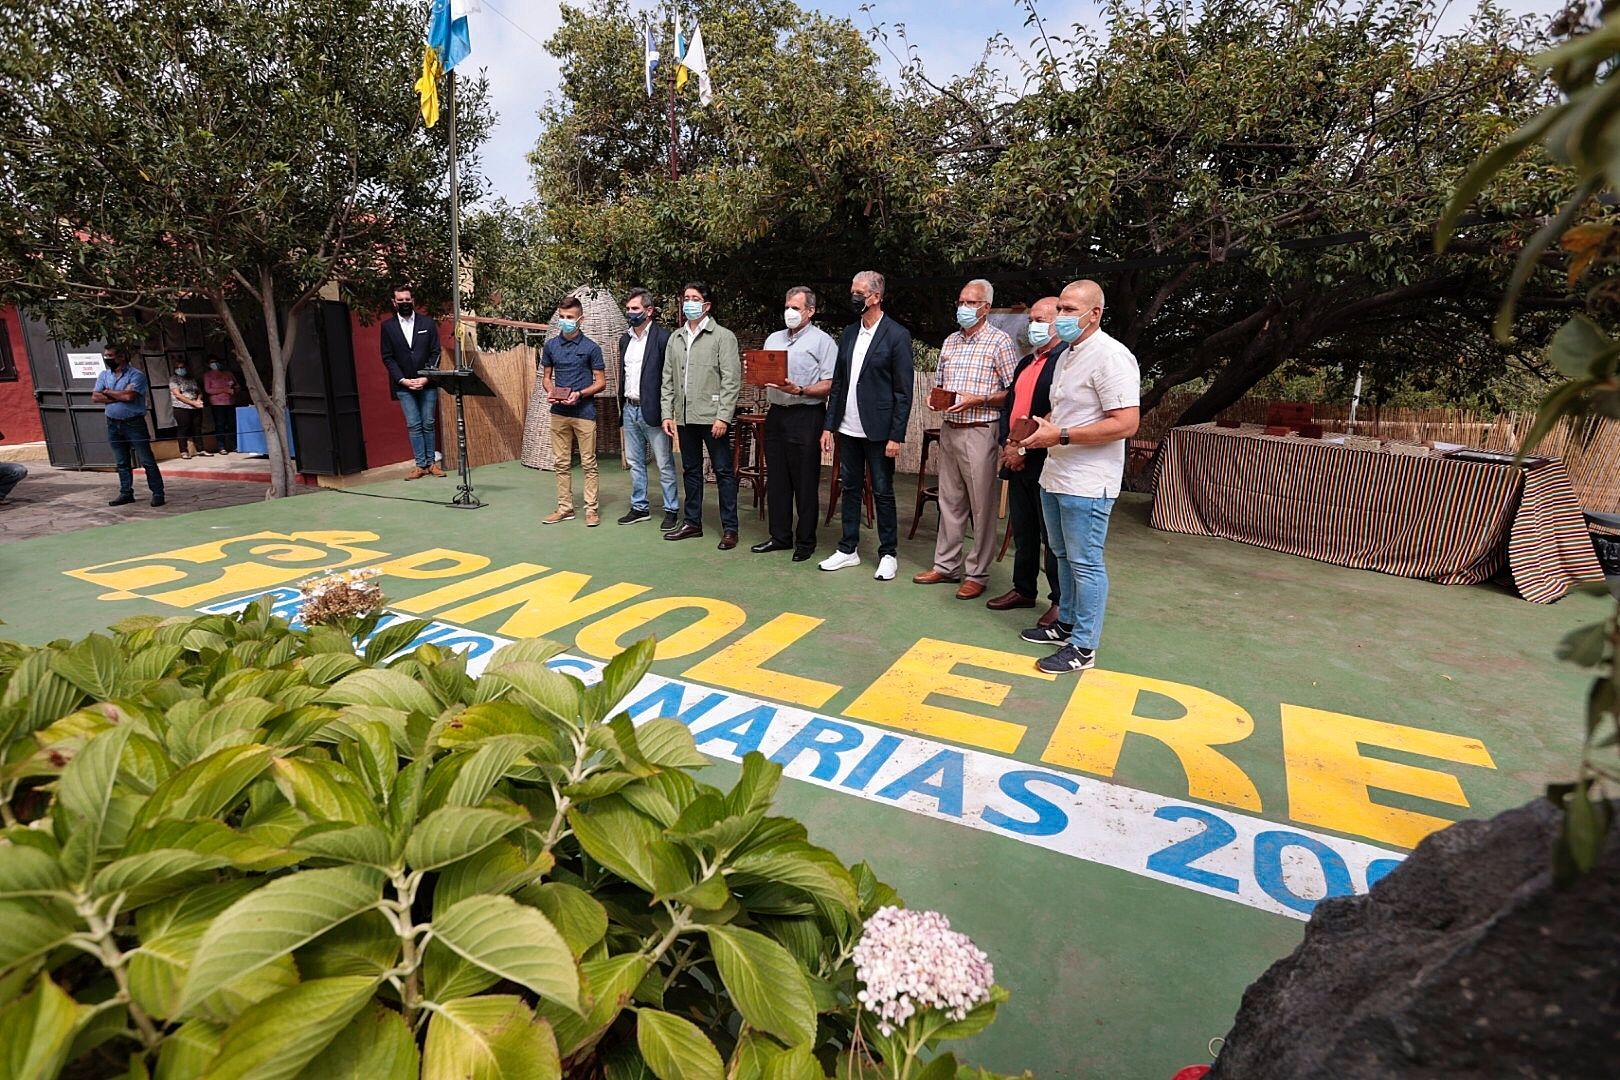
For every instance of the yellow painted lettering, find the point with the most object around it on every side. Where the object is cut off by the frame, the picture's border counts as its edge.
(463, 590)
(607, 637)
(1330, 783)
(899, 697)
(544, 604)
(740, 666)
(432, 563)
(1103, 709)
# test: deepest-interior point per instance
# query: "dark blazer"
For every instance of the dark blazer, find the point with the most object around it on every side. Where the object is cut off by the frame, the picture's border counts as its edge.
(652, 373)
(884, 391)
(404, 359)
(1040, 405)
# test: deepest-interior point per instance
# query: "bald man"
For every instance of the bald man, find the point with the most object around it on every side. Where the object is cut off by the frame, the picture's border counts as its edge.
(1096, 406)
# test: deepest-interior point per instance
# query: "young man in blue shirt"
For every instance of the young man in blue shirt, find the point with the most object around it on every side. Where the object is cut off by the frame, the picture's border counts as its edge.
(574, 373)
(122, 389)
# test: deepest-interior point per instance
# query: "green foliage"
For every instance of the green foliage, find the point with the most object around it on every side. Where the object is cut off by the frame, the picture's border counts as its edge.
(1581, 132)
(228, 851)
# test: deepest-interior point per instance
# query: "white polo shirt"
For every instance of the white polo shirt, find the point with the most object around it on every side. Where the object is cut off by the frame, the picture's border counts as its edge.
(1093, 377)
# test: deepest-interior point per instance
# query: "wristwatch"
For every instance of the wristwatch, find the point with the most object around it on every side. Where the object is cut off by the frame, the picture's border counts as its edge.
(1063, 436)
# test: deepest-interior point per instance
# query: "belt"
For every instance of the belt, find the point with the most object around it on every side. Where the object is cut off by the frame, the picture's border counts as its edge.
(800, 405)
(632, 401)
(976, 423)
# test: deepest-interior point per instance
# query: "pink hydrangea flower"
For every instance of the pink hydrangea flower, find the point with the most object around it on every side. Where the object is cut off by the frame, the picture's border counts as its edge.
(909, 961)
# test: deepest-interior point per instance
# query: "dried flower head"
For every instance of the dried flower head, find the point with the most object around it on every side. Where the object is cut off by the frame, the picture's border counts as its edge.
(339, 595)
(909, 961)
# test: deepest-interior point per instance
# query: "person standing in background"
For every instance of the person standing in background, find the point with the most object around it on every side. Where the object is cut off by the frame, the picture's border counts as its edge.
(408, 345)
(185, 397)
(219, 386)
(122, 389)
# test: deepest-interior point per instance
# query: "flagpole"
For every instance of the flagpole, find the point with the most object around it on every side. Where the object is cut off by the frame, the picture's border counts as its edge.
(455, 232)
(674, 130)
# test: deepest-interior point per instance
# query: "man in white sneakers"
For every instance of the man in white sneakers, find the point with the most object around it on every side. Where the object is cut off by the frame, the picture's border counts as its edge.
(1096, 397)
(867, 412)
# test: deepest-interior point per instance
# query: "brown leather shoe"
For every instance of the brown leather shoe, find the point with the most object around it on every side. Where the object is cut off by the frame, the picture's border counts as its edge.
(934, 577)
(1010, 599)
(556, 516)
(727, 542)
(970, 590)
(416, 473)
(685, 532)
(592, 519)
(1050, 617)
(434, 470)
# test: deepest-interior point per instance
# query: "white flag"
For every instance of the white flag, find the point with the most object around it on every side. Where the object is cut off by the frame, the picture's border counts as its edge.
(698, 64)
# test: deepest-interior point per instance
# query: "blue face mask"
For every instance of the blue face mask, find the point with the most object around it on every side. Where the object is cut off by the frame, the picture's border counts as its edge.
(1039, 333)
(692, 309)
(567, 326)
(1068, 328)
(182, 372)
(966, 315)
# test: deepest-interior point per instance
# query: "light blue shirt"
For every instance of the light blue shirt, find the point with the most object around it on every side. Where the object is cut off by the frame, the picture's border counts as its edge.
(131, 378)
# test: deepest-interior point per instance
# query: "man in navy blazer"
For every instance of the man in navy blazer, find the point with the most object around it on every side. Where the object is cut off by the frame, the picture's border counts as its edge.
(867, 411)
(410, 344)
(641, 381)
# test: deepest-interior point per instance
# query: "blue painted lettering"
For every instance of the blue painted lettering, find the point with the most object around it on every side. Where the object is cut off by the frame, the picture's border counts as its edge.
(843, 739)
(744, 732)
(1049, 818)
(947, 765)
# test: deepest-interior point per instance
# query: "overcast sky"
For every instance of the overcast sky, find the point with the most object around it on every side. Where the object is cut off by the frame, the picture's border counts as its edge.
(949, 35)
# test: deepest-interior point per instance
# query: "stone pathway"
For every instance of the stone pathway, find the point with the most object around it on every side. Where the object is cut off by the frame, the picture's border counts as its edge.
(50, 502)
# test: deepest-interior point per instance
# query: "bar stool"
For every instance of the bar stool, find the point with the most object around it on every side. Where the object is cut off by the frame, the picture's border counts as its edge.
(835, 488)
(924, 492)
(748, 455)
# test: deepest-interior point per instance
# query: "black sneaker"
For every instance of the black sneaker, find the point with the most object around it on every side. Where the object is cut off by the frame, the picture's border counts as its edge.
(122, 500)
(633, 515)
(672, 521)
(158, 500)
(1055, 634)
(1067, 659)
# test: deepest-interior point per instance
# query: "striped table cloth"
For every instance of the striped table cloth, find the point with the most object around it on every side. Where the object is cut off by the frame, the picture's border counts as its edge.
(1424, 516)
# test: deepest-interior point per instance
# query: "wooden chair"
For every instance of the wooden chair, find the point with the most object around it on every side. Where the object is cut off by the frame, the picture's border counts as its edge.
(835, 489)
(925, 493)
(748, 455)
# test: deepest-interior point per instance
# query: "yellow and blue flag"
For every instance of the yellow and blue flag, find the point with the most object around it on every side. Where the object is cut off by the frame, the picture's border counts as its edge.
(448, 43)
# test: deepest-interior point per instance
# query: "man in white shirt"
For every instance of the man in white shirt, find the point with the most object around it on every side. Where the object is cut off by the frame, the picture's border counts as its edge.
(793, 427)
(1096, 399)
(867, 409)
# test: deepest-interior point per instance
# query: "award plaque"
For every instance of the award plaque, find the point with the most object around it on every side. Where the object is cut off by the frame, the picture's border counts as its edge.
(940, 399)
(765, 367)
(1022, 428)
(558, 395)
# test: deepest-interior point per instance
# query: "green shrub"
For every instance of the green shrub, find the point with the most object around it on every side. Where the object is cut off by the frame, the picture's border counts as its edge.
(232, 848)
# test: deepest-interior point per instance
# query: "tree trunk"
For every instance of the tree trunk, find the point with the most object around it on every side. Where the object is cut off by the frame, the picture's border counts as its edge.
(270, 402)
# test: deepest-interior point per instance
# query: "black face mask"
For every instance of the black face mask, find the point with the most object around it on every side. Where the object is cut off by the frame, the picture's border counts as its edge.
(406, 309)
(635, 318)
(858, 303)
(112, 364)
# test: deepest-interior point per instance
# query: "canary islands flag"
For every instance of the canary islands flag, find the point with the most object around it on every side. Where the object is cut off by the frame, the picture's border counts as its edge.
(448, 43)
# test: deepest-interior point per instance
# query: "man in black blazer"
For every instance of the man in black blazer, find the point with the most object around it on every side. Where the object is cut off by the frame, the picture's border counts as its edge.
(641, 381)
(409, 344)
(1029, 395)
(867, 411)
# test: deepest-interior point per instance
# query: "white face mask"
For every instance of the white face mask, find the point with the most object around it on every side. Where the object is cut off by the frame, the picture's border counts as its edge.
(792, 317)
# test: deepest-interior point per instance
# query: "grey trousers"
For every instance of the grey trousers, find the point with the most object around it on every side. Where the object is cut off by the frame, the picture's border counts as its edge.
(968, 463)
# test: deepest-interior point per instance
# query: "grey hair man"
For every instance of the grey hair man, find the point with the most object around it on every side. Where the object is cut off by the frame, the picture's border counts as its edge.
(798, 411)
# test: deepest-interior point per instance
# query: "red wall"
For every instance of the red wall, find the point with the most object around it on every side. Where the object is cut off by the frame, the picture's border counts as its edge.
(380, 418)
(19, 413)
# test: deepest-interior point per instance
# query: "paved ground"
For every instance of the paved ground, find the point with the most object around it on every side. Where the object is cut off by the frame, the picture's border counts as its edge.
(1243, 699)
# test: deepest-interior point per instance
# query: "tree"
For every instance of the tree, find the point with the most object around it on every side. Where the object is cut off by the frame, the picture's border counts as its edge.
(223, 161)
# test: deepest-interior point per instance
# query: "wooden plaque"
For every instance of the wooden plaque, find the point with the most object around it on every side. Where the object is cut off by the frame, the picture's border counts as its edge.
(762, 367)
(1022, 428)
(940, 399)
(1228, 423)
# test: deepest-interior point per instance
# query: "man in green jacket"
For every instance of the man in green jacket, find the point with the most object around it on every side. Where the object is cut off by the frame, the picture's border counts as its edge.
(702, 377)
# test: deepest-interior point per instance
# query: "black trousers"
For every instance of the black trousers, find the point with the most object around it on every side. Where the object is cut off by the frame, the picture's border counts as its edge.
(1024, 514)
(857, 457)
(224, 427)
(188, 426)
(694, 439)
(793, 472)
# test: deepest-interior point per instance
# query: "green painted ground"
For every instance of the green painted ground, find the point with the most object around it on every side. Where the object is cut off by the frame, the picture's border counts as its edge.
(1112, 974)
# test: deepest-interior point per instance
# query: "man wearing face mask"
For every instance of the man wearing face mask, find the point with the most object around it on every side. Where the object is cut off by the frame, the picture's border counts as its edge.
(410, 344)
(976, 364)
(185, 398)
(1096, 396)
(793, 427)
(641, 384)
(1031, 395)
(219, 385)
(122, 389)
(867, 409)
(574, 372)
(702, 378)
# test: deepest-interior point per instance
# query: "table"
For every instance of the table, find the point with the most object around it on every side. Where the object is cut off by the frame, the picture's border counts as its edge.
(1403, 510)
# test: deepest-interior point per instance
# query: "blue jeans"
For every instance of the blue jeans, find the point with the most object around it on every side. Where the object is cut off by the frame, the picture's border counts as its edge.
(421, 409)
(127, 437)
(11, 473)
(1075, 530)
(638, 436)
(856, 458)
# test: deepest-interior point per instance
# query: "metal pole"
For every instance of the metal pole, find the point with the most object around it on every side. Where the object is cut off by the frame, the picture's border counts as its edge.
(674, 130)
(1355, 400)
(464, 497)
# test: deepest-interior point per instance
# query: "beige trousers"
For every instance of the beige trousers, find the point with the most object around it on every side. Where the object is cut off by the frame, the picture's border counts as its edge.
(566, 433)
(968, 463)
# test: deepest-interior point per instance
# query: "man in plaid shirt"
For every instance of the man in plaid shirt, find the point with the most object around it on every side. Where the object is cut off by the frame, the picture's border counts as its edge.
(976, 364)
